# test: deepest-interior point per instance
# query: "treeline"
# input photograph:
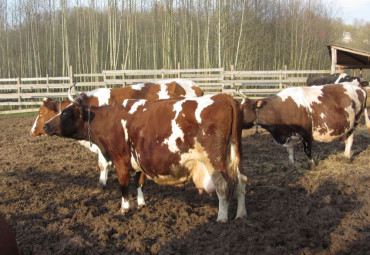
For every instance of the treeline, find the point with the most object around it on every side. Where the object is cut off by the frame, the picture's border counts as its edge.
(40, 37)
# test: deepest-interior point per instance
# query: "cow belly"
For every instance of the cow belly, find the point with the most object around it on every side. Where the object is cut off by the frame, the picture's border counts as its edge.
(194, 165)
(326, 137)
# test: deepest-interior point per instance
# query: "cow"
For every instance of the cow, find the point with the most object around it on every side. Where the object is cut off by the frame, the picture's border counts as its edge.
(171, 141)
(8, 243)
(103, 96)
(303, 114)
(334, 79)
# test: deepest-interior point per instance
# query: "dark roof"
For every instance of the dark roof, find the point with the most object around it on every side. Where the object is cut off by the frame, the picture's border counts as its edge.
(349, 58)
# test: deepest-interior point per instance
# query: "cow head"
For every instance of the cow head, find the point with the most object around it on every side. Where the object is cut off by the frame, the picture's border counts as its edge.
(250, 110)
(346, 78)
(72, 122)
(47, 111)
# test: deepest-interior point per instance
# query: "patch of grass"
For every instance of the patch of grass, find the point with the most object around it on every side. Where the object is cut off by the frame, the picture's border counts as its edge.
(4, 116)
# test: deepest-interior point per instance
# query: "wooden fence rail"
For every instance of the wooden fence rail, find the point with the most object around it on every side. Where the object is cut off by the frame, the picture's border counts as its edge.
(26, 94)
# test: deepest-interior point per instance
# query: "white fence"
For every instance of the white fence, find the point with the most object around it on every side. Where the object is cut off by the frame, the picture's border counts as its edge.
(26, 94)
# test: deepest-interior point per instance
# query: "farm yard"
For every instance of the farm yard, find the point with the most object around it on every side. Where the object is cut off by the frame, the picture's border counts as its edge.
(48, 194)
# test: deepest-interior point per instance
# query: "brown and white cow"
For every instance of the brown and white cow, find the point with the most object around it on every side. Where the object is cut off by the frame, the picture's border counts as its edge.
(104, 96)
(171, 141)
(339, 78)
(303, 114)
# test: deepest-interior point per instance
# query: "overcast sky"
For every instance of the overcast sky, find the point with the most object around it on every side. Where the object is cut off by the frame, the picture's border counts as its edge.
(352, 9)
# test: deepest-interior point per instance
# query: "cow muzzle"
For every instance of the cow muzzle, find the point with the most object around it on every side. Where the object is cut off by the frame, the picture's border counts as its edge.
(49, 130)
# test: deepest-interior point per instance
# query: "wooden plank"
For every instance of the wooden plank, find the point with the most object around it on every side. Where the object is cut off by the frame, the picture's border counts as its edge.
(20, 104)
(19, 111)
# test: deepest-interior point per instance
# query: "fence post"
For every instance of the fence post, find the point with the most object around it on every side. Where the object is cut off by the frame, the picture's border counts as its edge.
(232, 76)
(19, 92)
(178, 68)
(47, 84)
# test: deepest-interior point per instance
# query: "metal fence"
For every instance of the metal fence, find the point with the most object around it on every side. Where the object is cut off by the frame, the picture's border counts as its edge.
(26, 94)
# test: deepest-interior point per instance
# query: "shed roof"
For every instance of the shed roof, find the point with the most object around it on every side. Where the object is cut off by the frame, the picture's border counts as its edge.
(348, 58)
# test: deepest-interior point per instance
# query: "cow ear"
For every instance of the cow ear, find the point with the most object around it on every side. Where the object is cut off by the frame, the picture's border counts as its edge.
(364, 83)
(259, 103)
(50, 104)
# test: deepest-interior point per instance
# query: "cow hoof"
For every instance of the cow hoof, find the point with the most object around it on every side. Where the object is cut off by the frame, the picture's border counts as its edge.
(139, 206)
(123, 211)
(241, 216)
(100, 186)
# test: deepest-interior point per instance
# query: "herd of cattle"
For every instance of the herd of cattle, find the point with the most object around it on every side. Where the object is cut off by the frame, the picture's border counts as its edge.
(170, 132)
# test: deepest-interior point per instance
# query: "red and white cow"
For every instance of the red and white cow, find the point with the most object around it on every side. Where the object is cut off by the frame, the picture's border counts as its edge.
(104, 96)
(302, 114)
(8, 244)
(171, 141)
(336, 79)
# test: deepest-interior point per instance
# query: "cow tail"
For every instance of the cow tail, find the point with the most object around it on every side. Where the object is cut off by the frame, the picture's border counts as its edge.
(234, 148)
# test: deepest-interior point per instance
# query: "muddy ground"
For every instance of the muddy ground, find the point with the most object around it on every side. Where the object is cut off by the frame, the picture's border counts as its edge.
(48, 194)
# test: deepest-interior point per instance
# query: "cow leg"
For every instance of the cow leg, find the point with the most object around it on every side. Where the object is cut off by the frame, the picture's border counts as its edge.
(140, 180)
(103, 166)
(123, 174)
(240, 194)
(348, 142)
(367, 121)
(223, 206)
(307, 144)
(290, 150)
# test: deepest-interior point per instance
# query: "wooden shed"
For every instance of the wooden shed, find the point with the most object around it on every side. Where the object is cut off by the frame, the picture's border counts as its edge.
(348, 58)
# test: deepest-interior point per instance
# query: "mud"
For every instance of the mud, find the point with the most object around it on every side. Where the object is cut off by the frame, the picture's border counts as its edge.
(49, 197)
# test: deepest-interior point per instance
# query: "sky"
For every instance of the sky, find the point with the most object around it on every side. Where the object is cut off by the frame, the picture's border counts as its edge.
(354, 9)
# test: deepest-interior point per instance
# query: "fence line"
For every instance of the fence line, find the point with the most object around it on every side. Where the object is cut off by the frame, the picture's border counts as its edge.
(26, 94)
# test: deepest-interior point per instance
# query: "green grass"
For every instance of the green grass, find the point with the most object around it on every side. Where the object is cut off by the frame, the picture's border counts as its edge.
(4, 116)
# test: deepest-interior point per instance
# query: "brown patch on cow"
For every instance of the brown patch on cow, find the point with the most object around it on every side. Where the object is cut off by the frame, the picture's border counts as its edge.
(173, 89)
(330, 115)
(198, 91)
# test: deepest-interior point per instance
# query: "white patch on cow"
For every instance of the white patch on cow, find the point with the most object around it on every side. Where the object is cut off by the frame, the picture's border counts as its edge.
(302, 96)
(124, 123)
(125, 205)
(176, 130)
(202, 104)
(33, 129)
(134, 163)
(125, 103)
(102, 94)
(140, 197)
(342, 75)
(138, 86)
(136, 105)
(162, 94)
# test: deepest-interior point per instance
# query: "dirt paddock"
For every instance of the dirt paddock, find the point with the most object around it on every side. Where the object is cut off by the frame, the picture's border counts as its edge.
(49, 197)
